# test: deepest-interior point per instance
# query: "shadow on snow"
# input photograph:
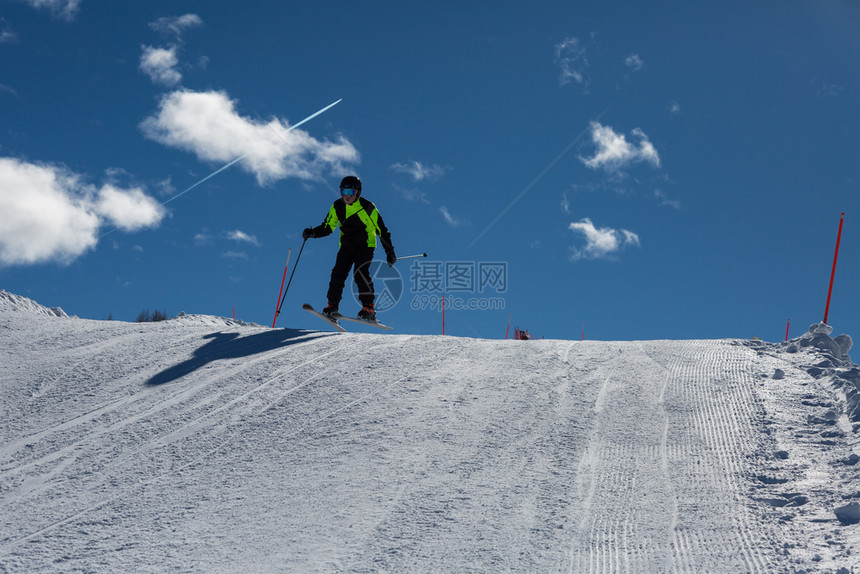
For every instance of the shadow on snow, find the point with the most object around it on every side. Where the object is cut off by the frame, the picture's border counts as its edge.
(232, 346)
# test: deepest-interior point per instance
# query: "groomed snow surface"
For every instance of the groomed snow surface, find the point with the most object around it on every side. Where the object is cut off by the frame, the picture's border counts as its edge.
(201, 444)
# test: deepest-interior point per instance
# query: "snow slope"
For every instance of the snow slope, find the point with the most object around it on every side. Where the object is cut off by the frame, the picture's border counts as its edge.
(203, 444)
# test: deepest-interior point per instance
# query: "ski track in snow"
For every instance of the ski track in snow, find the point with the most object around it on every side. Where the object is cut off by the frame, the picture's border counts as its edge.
(665, 477)
(200, 445)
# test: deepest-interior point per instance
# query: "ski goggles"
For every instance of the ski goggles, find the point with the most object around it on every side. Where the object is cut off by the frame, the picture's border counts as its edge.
(348, 191)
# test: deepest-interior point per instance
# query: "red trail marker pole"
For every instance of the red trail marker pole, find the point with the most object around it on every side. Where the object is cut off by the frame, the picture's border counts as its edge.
(508, 330)
(786, 328)
(833, 272)
(289, 252)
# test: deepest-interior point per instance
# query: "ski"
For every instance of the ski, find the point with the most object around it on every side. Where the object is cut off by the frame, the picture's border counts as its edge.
(376, 324)
(333, 322)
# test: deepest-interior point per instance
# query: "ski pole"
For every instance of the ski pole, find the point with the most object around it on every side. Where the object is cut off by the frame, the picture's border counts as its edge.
(296, 264)
(412, 257)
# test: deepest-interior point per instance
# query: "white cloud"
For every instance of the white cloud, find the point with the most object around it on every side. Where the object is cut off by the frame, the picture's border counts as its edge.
(615, 152)
(165, 186)
(7, 34)
(664, 199)
(66, 9)
(50, 215)
(160, 65)
(242, 237)
(634, 62)
(831, 90)
(412, 194)
(572, 59)
(176, 24)
(565, 203)
(207, 125)
(419, 171)
(449, 218)
(674, 107)
(41, 219)
(130, 209)
(600, 243)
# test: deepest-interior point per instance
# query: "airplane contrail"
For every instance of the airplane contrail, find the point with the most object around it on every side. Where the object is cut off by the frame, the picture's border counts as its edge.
(238, 159)
(235, 161)
(534, 181)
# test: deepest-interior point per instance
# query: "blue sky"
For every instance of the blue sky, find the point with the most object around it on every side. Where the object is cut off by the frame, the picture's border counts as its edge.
(647, 170)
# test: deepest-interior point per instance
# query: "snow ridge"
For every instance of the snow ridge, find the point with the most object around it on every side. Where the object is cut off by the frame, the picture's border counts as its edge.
(814, 423)
(12, 302)
(211, 321)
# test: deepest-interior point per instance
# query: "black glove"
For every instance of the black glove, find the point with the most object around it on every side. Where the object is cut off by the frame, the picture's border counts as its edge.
(307, 233)
(391, 257)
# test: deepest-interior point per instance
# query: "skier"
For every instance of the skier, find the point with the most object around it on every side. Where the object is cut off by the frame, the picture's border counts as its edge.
(360, 222)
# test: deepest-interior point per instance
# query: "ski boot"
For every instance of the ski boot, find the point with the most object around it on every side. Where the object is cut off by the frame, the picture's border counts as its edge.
(329, 309)
(367, 313)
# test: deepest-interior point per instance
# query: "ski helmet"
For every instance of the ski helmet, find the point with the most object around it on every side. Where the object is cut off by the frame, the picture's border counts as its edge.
(352, 182)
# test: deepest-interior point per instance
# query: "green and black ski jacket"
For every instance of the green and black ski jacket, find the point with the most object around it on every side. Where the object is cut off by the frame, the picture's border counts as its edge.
(359, 223)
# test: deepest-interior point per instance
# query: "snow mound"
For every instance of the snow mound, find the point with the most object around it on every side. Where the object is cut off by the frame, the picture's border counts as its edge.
(818, 336)
(211, 321)
(835, 364)
(831, 362)
(12, 302)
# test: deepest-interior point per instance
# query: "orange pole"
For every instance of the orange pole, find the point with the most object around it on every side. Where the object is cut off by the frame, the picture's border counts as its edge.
(277, 307)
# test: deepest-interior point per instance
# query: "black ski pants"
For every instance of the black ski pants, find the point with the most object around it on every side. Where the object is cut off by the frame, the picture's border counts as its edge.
(358, 258)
